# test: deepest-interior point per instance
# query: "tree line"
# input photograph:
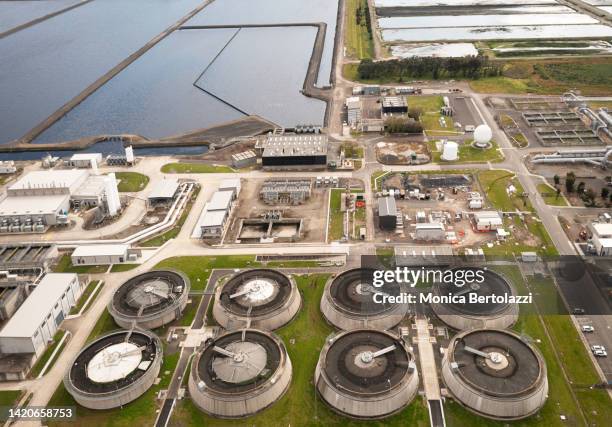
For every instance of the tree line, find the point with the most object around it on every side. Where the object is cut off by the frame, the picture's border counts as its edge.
(471, 67)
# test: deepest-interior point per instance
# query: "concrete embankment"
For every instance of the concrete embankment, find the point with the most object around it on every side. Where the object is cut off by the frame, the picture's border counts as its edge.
(62, 111)
(42, 18)
(216, 135)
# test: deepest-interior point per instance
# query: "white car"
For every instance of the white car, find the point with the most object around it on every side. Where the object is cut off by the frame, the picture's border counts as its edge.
(588, 328)
(598, 348)
(600, 353)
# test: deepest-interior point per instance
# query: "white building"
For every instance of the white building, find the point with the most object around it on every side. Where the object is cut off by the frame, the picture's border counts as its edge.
(430, 231)
(488, 221)
(85, 160)
(7, 167)
(221, 201)
(231, 184)
(602, 238)
(99, 254)
(34, 324)
(212, 224)
(163, 192)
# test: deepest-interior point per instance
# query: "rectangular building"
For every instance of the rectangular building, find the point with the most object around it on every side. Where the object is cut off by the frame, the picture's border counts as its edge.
(488, 221)
(286, 152)
(99, 254)
(34, 324)
(602, 238)
(25, 214)
(85, 160)
(163, 192)
(244, 159)
(212, 224)
(406, 256)
(387, 213)
(231, 184)
(221, 201)
(394, 105)
(430, 231)
(48, 182)
(7, 167)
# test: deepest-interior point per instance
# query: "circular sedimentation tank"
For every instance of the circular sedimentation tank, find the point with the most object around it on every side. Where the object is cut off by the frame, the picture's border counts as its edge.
(240, 373)
(366, 374)
(150, 300)
(348, 302)
(469, 315)
(114, 369)
(495, 374)
(268, 298)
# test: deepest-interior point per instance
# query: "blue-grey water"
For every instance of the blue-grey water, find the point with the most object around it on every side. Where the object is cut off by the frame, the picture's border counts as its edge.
(15, 13)
(154, 96)
(46, 65)
(231, 12)
(262, 72)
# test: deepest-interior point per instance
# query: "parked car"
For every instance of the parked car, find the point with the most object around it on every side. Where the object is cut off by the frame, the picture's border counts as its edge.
(578, 311)
(588, 328)
(598, 347)
(600, 353)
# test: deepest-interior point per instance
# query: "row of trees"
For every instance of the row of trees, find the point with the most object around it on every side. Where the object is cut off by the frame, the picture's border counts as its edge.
(471, 67)
(362, 16)
(588, 195)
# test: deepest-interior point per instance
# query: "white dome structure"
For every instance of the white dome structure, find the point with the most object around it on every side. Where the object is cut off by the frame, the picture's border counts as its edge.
(450, 151)
(482, 136)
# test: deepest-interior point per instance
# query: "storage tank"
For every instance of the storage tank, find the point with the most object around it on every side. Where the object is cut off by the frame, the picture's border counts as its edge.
(468, 315)
(495, 374)
(366, 374)
(450, 151)
(239, 373)
(150, 300)
(114, 369)
(348, 302)
(266, 298)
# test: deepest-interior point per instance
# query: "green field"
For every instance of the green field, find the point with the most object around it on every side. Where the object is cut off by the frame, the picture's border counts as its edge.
(131, 182)
(42, 360)
(195, 168)
(336, 216)
(301, 406)
(64, 265)
(469, 154)
(91, 286)
(357, 37)
(549, 194)
(9, 397)
(118, 268)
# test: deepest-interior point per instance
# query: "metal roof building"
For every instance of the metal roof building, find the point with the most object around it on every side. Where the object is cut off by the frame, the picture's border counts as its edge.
(291, 151)
(387, 213)
(163, 191)
(43, 183)
(220, 201)
(422, 255)
(84, 160)
(99, 254)
(36, 321)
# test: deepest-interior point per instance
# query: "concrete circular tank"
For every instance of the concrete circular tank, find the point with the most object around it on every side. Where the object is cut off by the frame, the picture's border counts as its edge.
(495, 374)
(348, 302)
(267, 297)
(366, 374)
(240, 373)
(150, 300)
(471, 315)
(114, 369)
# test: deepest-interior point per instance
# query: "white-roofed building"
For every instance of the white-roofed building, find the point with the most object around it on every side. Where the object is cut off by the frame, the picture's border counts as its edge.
(34, 324)
(602, 238)
(430, 231)
(48, 182)
(100, 254)
(230, 184)
(212, 223)
(488, 221)
(163, 191)
(46, 210)
(221, 201)
(85, 160)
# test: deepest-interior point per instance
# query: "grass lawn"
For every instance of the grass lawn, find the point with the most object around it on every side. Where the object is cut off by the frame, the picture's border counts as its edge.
(550, 196)
(427, 103)
(198, 268)
(494, 184)
(42, 360)
(357, 39)
(352, 150)
(64, 265)
(470, 154)
(85, 296)
(300, 406)
(375, 179)
(131, 182)
(176, 229)
(9, 397)
(195, 168)
(336, 216)
(118, 268)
